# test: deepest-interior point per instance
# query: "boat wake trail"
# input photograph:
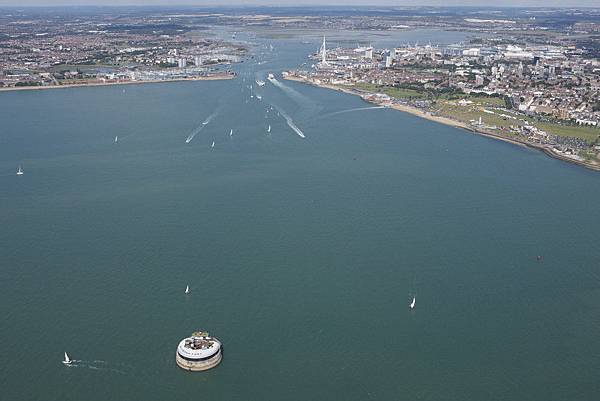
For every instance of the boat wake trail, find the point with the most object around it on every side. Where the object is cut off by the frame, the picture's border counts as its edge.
(99, 365)
(290, 122)
(197, 130)
(335, 113)
(291, 92)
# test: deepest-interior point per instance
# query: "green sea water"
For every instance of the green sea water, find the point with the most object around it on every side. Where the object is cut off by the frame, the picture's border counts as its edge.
(301, 254)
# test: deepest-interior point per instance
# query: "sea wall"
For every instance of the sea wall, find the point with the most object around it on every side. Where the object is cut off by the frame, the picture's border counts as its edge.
(198, 365)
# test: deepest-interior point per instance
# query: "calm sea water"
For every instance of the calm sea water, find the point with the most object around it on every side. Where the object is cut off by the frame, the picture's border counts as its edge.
(301, 254)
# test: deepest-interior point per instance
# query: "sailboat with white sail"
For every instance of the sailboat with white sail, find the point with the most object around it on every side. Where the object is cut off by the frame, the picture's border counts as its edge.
(269, 129)
(413, 303)
(231, 132)
(187, 289)
(19, 171)
(67, 360)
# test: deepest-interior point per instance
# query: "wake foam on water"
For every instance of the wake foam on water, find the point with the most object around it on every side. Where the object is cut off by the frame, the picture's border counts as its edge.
(100, 365)
(198, 129)
(291, 92)
(290, 122)
(335, 113)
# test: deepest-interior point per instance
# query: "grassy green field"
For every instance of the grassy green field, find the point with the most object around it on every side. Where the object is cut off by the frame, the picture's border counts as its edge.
(398, 93)
(590, 134)
(474, 111)
(447, 105)
(450, 108)
(484, 101)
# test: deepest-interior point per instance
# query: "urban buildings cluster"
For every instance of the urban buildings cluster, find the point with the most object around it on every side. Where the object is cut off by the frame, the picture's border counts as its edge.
(42, 50)
(546, 91)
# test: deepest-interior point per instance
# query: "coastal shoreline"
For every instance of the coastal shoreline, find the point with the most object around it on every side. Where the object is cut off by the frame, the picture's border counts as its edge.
(216, 77)
(453, 123)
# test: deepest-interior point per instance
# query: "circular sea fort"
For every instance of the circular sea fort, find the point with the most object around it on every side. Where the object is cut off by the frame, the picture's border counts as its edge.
(199, 352)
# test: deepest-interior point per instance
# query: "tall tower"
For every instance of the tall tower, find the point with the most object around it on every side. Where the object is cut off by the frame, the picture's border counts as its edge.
(323, 52)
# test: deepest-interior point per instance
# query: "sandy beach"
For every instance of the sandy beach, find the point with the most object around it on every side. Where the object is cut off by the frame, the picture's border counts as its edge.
(455, 123)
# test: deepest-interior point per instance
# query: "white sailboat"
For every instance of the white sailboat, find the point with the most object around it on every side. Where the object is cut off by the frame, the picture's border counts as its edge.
(187, 289)
(213, 144)
(231, 132)
(19, 171)
(116, 138)
(412, 304)
(269, 129)
(67, 360)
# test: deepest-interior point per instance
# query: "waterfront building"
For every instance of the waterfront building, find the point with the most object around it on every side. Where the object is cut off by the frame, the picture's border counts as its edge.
(388, 61)
(473, 52)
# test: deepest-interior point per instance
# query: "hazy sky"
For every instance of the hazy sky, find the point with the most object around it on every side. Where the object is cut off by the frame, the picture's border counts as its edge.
(496, 3)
